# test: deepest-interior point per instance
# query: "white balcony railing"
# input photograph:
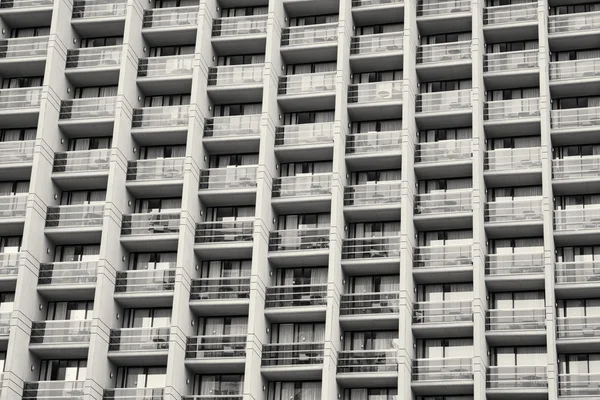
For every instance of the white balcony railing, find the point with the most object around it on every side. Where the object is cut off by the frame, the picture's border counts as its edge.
(519, 377)
(161, 117)
(442, 102)
(68, 273)
(314, 83)
(446, 256)
(518, 159)
(374, 3)
(234, 126)
(370, 143)
(380, 193)
(166, 66)
(376, 43)
(451, 201)
(444, 52)
(240, 26)
(570, 23)
(442, 369)
(76, 216)
(577, 219)
(514, 264)
(375, 92)
(171, 17)
(511, 61)
(310, 34)
(91, 9)
(156, 169)
(9, 264)
(20, 98)
(88, 108)
(18, 4)
(506, 110)
(229, 178)
(231, 75)
(66, 332)
(575, 118)
(23, 48)
(13, 206)
(577, 272)
(16, 152)
(517, 13)
(363, 248)
(579, 385)
(576, 167)
(386, 302)
(443, 312)
(444, 8)
(443, 152)
(514, 211)
(82, 161)
(578, 327)
(155, 223)
(516, 319)
(94, 57)
(304, 134)
(302, 185)
(139, 339)
(575, 69)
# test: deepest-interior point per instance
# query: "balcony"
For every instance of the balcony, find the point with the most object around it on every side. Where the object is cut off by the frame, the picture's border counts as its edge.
(300, 142)
(146, 288)
(54, 338)
(94, 65)
(9, 269)
(449, 262)
(382, 148)
(48, 390)
(502, 117)
(160, 125)
(438, 376)
(309, 43)
(443, 61)
(239, 133)
(216, 354)
(233, 35)
(525, 326)
(12, 213)
(444, 210)
(579, 385)
(582, 225)
(230, 239)
(134, 394)
(443, 318)
(151, 231)
(307, 91)
(384, 48)
(306, 246)
(511, 22)
(23, 56)
(515, 218)
(242, 83)
(444, 109)
(170, 25)
(19, 107)
(505, 272)
(156, 176)
(168, 74)
(230, 185)
(568, 31)
(26, 12)
(573, 125)
(511, 68)
(4, 325)
(378, 368)
(502, 166)
(302, 193)
(75, 223)
(384, 198)
(16, 158)
(530, 381)
(575, 174)
(292, 360)
(95, 116)
(370, 12)
(577, 334)
(139, 346)
(370, 311)
(577, 278)
(443, 16)
(81, 169)
(220, 296)
(68, 279)
(293, 303)
(575, 77)
(375, 100)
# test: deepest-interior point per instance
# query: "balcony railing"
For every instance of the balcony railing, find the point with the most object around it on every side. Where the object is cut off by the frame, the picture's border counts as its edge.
(579, 384)
(360, 361)
(240, 26)
(574, 69)
(48, 390)
(308, 35)
(304, 134)
(517, 377)
(99, 107)
(144, 281)
(220, 288)
(312, 83)
(514, 264)
(575, 118)
(376, 43)
(568, 272)
(230, 75)
(380, 193)
(577, 219)
(171, 17)
(444, 52)
(442, 8)
(578, 327)
(9, 264)
(18, 151)
(299, 239)
(569, 23)
(296, 295)
(510, 61)
(502, 110)
(18, 4)
(452, 201)
(82, 161)
(371, 247)
(374, 3)
(225, 231)
(443, 151)
(156, 169)
(94, 57)
(139, 339)
(513, 211)
(134, 394)
(23, 48)
(511, 160)
(17, 99)
(510, 14)
(373, 142)
(452, 100)
(142, 224)
(576, 167)
(448, 256)
(99, 9)
(386, 302)
(302, 185)
(229, 178)
(68, 273)
(216, 346)
(76, 216)
(5, 323)
(166, 66)
(161, 117)
(61, 332)
(442, 369)
(516, 319)
(235, 126)
(292, 354)
(13, 206)
(442, 312)
(375, 92)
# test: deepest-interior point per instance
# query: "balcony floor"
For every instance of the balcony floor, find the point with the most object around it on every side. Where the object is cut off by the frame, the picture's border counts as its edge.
(222, 307)
(87, 126)
(581, 290)
(96, 76)
(515, 177)
(27, 16)
(246, 44)
(309, 53)
(377, 265)
(139, 358)
(510, 32)
(527, 77)
(368, 379)
(318, 100)
(304, 153)
(378, 14)
(151, 242)
(451, 69)
(170, 35)
(443, 274)
(521, 393)
(165, 84)
(234, 144)
(242, 93)
(518, 337)
(444, 169)
(28, 66)
(145, 299)
(292, 372)
(517, 282)
(171, 187)
(576, 135)
(79, 235)
(17, 118)
(444, 119)
(99, 27)
(381, 159)
(579, 86)
(577, 345)
(504, 127)
(576, 185)
(67, 292)
(225, 365)
(453, 21)
(160, 135)
(443, 329)
(573, 40)
(358, 322)
(54, 351)
(80, 180)
(374, 212)
(515, 228)
(305, 257)
(375, 110)
(301, 204)
(446, 220)
(442, 387)
(227, 197)
(296, 314)
(224, 251)
(380, 61)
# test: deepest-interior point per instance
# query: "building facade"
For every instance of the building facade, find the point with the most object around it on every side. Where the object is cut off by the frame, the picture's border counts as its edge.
(300, 199)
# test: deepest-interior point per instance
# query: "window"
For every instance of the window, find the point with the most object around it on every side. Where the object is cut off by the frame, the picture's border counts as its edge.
(167, 100)
(513, 94)
(241, 59)
(225, 110)
(79, 144)
(517, 300)
(157, 205)
(10, 244)
(77, 253)
(577, 202)
(147, 318)
(175, 3)
(218, 385)
(376, 126)
(443, 185)
(374, 229)
(95, 91)
(519, 356)
(311, 117)
(152, 261)
(298, 333)
(301, 277)
(63, 370)
(575, 102)
(33, 81)
(303, 221)
(232, 160)
(156, 152)
(378, 29)
(295, 69)
(373, 284)
(101, 41)
(243, 11)
(305, 168)
(373, 177)
(446, 238)
(314, 20)
(223, 326)
(214, 214)
(294, 390)
(512, 194)
(445, 292)
(226, 269)
(14, 188)
(141, 377)
(381, 76)
(77, 197)
(371, 394)
(438, 135)
(371, 340)
(445, 348)
(515, 246)
(30, 32)
(446, 38)
(69, 310)
(11, 135)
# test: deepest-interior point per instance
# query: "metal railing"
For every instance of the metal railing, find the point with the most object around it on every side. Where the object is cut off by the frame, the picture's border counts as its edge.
(23, 48)
(373, 142)
(444, 52)
(144, 281)
(142, 224)
(82, 161)
(574, 69)
(166, 66)
(359, 361)
(68, 273)
(296, 295)
(514, 264)
(229, 75)
(220, 288)
(575, 118)
(229, 178)
(310, 34)
(579, 384)
(292, 354)
(24, 3)
(578, 327)
(234, 126)
(515, 319)
(139, 339)
(375, 92)
(371, 247)
(380, 193)
(299, 239)
(442, 369)
(569, 23)
(49, 390)
(377, 43)
(215, 396)
(134, 394)
(510, 14)
(514, 211)
(302, 185)
(576, 167)
(511, 61)
(215, 346)
(240, 26)
(304, 134)
(19, 98)
(225, 231)
(311, 83)
(159, 117)
(442, 8)
(65, 332)
(9, 264)
(370, 303)
(577, 272)
(448, 256)
(99, 9)
(513, 159)
(442, 312)
(156, 169)
(76, 216)
(374, 3)
(502, 110)
(17, 151)
(171, 17)
(5, 323)
(452, 100)
(577, 219)
(94, 57)
(13, 206)
(96, 107)
(517, 377)
(451, 201)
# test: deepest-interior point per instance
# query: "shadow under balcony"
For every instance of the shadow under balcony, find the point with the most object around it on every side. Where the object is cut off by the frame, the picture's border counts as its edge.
(515, 271)
(75, 223)
(299, 247)
(511, 69)
(367, 201)
(511, 22)
(19, 107)
(87, 116)
(240, 34)
(302, 142)
(370, 311)
(296, 303)
(577, 278)
(517, 218)
(371, 12)
(577, 334)
(379, 255)
(367, 368)
(216, 354)
(503, 117)
(431, 376)
(12, 213)
(170, 25)
(444, 61)
(309, 43)
(513, 167)
(95, 18)
(139, 346)
(220, 296)
(452, 108)
(366, 150)
(505, 327)
(236, 83)
(302, 193)
(155, 177)
(284, 361)
(574, 78)
(228, 186)
(576, 175)
(145, 288)
(224, 239)
(151, 231)
(68, 280)
(26, 12)
(447, 263)
(23, 56)
(160, 125)
(238, 133)
(375, 100)
(81, 169)
(169, 74)
(445, 210)
(49, 390)
(385, 49)
(524, 382)
(94, 66)
(443, 16)
(442, 319)
(52, 339)
(574, 125)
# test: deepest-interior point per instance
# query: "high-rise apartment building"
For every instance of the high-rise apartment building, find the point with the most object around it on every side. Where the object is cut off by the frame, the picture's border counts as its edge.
(300, 199)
